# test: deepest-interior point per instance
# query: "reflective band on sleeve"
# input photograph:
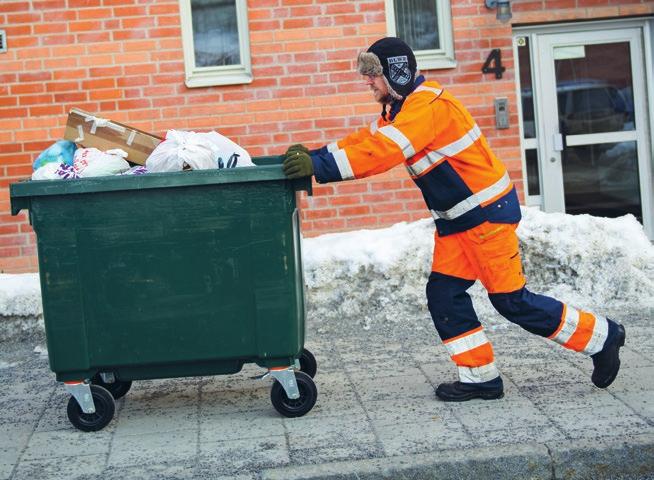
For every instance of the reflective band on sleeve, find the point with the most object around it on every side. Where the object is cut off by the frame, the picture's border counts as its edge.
(600, 332)
(463, 344)
(343, 164)
(570, 322)
(373, 126)
(422, 88)
(474, 200)
(332, 147)
(450, 150)
(484, 373)
(461, 144)
(400, 139)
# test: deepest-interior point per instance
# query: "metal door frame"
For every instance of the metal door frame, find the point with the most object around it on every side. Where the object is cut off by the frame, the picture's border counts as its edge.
(639, 33)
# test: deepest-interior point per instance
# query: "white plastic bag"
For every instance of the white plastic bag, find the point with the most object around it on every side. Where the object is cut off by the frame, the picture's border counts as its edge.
(91, 162)
(196, 151)
(55, 171)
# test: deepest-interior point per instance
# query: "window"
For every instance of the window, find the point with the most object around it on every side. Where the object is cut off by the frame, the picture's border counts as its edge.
(426, 25)
(216, 42)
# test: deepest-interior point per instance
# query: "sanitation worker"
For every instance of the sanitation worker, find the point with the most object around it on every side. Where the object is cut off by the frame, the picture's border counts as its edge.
(475, 207)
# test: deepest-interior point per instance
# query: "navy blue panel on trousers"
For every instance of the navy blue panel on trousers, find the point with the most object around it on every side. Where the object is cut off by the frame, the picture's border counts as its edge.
(450, 306)
(535, 313)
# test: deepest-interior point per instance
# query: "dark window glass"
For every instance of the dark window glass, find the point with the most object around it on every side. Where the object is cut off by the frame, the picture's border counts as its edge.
(526, 91)
(215, 33)
(594, 88)
(602, 180)
(416, 22)
(533, 173)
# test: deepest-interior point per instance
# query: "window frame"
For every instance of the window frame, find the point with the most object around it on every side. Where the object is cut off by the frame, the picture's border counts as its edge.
(436, 58)
(217, 75)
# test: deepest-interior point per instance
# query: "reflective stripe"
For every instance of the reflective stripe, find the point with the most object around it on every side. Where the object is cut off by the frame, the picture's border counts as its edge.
(373, 126)
(424, 163)
(570, 323)
(484, 373)
(343, 164)
(464, 344)
(400, 139)
(421, 88)
(474, 200)
(600, 332)
(450, 150)
(332, 147)
(461, 144)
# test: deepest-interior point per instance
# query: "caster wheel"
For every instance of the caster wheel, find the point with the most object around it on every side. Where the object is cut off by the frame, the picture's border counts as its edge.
(298, 406)
(308, 363)
(118, 389)
(91, 422)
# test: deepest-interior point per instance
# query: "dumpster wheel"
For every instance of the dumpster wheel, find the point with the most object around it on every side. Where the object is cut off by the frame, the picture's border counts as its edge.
(117, 388)
(308, 363)
(299, 406)
(91, 422)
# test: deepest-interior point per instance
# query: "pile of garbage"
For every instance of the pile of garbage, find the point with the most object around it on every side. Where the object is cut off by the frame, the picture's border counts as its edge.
(95, 147)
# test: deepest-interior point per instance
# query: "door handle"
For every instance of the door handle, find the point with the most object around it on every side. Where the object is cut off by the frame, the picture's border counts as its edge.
(557, 142)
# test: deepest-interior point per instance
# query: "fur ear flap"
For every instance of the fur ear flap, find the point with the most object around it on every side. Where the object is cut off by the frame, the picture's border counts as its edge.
(368, 64)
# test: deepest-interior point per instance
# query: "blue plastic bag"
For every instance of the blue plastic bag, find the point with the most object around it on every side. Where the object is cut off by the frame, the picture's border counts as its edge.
(61, 152)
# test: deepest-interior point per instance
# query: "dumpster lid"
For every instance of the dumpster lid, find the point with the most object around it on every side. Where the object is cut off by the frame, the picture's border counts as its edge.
(265, 171)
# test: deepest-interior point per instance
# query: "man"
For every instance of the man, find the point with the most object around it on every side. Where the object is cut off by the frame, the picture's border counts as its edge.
(476, 210)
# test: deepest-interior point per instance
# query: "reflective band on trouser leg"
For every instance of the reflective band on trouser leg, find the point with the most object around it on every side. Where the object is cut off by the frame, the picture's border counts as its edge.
(473, 355)
(581, 331)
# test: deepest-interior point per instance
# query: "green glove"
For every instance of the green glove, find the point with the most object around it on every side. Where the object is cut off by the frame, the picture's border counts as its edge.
(297, 164)
(298, 147)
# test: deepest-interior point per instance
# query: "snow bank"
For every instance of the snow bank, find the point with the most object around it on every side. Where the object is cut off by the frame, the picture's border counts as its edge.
(377, 276)
(20, 295)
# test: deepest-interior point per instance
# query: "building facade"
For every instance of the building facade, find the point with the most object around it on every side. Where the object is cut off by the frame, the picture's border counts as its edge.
(564, 98)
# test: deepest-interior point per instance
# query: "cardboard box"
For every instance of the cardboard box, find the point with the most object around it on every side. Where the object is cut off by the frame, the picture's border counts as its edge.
(89, 131)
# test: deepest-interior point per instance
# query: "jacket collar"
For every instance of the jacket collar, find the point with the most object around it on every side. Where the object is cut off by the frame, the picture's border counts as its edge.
(396, 106)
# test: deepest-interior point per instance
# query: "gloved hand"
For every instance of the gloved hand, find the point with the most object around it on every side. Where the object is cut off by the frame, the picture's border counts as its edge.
(297, 147)
(297, 164)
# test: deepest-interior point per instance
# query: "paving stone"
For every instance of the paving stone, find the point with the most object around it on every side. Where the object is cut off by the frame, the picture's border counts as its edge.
(545, 374)
(15, 435)
(180, 471)
(152, 448)
(641, 402)
(60, 468)
(64, 443)
(6, 469)
(504, 414)
(634, 379)
(241, 456)
(519, 435)
(388, 387)
(239, 426)
(160, 420)
(402, 410)
(435, 433)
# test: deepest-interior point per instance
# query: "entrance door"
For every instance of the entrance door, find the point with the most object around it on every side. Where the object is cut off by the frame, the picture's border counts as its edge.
(590, 114)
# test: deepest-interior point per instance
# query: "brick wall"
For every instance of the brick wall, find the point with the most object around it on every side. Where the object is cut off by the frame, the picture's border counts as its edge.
(123, 59)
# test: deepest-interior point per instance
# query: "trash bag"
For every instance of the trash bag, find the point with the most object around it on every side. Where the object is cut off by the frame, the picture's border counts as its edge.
(61, 151)
(55, 171)
(91, 162)
(196, 151)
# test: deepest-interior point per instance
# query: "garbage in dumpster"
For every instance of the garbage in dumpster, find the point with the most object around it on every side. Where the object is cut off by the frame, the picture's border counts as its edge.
(89, 130)
(55, 171)
(59, 152)
(91, 162)
(182, 150)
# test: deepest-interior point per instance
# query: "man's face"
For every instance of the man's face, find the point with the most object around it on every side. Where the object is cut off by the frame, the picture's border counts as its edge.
(378, 88)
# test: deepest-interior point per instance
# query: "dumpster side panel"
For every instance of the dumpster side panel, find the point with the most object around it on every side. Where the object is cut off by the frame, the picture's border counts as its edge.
(170, 282)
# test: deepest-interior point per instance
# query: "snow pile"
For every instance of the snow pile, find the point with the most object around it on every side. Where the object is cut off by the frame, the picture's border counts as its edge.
(378, 276)
(20, 295)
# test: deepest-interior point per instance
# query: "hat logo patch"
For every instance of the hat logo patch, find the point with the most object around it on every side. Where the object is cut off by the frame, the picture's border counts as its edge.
(398, 69)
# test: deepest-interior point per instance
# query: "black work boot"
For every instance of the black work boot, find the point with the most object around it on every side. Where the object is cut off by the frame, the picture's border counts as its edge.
(607, 360)
(460, 391)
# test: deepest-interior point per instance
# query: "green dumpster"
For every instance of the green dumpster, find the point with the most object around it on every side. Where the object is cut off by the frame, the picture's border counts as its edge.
(169, 275)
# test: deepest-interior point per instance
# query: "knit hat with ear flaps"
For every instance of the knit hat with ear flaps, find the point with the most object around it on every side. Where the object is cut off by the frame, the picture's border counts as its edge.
(395, 60)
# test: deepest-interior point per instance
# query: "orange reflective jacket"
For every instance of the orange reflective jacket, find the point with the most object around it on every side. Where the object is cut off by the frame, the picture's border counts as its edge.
(461, 180)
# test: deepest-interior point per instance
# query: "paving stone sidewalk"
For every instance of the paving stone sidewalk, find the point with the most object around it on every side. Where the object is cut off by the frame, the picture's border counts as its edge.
(376, 416)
